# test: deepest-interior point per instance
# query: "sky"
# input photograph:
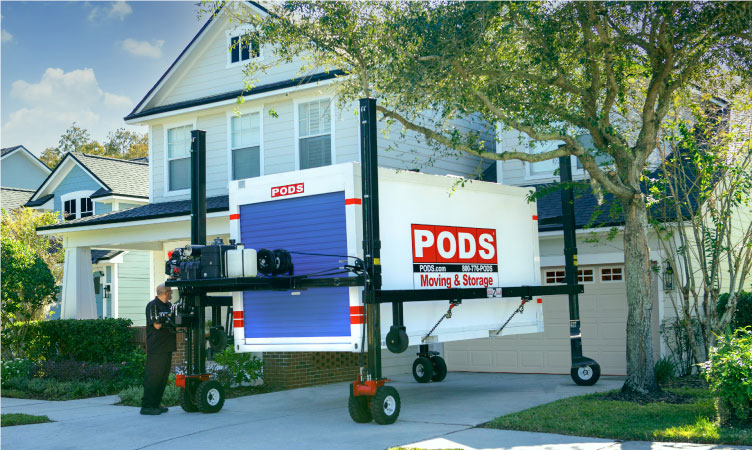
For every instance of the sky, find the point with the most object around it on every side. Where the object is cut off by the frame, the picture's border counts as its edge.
(83, 62)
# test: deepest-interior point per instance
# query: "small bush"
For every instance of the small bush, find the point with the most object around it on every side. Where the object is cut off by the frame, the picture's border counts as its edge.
(665, 370)
(132, 395)
(743, 314)
(133, 365)
(243, 367)
(16, 368)
(51, 389)
(95, 340)
(78, 371)
(729, 375)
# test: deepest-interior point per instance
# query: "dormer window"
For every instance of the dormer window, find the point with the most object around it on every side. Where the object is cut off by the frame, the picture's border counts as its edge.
(242, 48)
(76, 205)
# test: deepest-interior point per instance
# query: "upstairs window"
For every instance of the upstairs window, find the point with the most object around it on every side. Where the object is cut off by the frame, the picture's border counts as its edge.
(77, 204)
(245, 145)
(315, 134)
(69, 209)
(243, 48)
(179, 157)
(87, 207)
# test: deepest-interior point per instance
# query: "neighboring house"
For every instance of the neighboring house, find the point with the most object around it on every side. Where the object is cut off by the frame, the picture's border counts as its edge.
(21, 173)
(200, 91)
(83, 186)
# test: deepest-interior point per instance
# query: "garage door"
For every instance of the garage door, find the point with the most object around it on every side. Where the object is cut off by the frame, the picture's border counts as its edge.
(603, 311)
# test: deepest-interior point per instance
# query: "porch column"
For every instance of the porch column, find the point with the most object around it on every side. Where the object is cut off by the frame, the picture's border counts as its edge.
(78, 285)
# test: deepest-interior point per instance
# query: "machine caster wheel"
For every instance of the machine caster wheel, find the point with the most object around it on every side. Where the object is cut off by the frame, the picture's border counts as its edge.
(186, 402)
(439, 368)
(586, 375)
(385, 405)
(359, 409)
(397, 340)
(422, 370)
(210, 396)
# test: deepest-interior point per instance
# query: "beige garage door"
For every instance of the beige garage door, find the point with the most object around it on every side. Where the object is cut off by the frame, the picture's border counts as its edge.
(603, 311)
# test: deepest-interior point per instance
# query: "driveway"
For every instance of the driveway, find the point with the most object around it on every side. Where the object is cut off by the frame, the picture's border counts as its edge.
(436, 415)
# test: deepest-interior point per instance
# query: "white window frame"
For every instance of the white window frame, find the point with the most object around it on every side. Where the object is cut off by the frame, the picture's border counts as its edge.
(243, 111)
(616, 266)
(77, 196)
(596, 274)
(238, 32)
(529, 175)
(166, 159)
(296, 121)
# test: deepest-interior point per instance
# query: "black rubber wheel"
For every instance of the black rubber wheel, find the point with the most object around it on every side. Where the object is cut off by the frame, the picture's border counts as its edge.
(439, 368)
(359, 409)
(397, 340)
(586, 375)
(385, 405)
(422, 370)
(186, 402)
(210, 396)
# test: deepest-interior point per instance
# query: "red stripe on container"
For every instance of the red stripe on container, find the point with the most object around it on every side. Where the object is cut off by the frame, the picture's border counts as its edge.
(356, 320)
(353, 201)
(356, 310)
(540, 300)
(237, 314)
(234, 216)
(535, 217)
(239, 323)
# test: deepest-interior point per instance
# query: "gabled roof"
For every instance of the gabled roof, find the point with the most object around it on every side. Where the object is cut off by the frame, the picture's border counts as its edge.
(103, 255)
(10, 150)
(587, 212)
(13, 198)
(115, 176)
(170, 70)
(147, 212)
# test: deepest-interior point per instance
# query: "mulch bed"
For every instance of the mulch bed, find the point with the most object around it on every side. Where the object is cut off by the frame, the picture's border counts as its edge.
(663, 397)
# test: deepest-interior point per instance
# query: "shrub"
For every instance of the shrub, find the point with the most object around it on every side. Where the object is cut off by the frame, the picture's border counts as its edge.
(16, 368)
(51, 389)
(133, 365)
(132, 395)
(93, 340)
(743, 314)
(665, 370)
(244, 367)
(729, 375)
(78, 371)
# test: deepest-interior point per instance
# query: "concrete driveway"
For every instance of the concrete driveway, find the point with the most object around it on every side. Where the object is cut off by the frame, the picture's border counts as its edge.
(436, 415)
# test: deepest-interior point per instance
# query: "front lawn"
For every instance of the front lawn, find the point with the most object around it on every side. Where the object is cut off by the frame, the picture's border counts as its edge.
(9, 420)
(594, 415)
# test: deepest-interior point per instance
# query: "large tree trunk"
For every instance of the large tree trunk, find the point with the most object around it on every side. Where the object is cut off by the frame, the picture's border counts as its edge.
(640, 373)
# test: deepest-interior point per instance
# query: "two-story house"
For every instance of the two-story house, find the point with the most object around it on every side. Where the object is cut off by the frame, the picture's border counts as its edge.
(287, 122)
(21, 173)
(112, 282)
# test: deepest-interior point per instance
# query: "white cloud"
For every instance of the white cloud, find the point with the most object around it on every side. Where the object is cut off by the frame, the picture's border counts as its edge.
(7, 37)
(48, 107)
(143, 48)
(118, 10)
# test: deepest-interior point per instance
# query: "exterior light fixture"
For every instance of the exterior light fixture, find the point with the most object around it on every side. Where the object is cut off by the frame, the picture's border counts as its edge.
(668, 277)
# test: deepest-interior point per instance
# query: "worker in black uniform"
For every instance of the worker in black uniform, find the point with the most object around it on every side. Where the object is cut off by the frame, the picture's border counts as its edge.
(160, 343)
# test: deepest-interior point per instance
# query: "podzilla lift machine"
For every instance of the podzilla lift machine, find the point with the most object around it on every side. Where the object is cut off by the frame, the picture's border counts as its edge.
(200, 269)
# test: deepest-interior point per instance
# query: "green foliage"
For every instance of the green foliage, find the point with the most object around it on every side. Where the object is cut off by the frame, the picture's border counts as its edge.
(132, 395)
(665, 370)
(91, 340)
(244, 367)
(729, 375)
(134, 364)
(742, 316)
(16, 368)
(677, 341)
(121, 143)
(9, 420)
(52, 389)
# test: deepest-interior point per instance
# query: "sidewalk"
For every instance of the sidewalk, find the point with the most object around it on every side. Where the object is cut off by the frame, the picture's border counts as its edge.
(435, 415)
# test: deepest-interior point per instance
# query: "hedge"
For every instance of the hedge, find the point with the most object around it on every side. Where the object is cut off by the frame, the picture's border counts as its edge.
(93, 340)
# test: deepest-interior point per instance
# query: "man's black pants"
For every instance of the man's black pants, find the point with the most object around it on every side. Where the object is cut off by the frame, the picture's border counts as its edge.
(155, 378)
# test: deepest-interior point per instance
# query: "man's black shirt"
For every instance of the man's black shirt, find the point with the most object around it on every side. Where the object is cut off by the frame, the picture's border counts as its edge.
(162, 340)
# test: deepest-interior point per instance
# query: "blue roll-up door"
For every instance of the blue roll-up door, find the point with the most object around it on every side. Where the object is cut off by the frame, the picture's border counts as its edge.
(312, 224)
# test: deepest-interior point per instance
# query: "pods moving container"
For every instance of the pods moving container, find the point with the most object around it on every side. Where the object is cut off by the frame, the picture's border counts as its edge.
(434, 234)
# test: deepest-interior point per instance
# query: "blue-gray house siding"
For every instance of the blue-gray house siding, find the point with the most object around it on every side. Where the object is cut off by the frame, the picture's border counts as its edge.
(76, 180)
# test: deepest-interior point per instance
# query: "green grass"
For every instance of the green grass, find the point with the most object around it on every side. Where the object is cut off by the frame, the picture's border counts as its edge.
(10, 420)
(591, 415)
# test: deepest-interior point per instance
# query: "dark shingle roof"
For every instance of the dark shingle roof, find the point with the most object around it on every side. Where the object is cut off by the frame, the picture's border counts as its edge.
(103, 255)
(146, 212)
(40, 201)
(122, 177)
(12, 198)
(588, 213)
(7, 150)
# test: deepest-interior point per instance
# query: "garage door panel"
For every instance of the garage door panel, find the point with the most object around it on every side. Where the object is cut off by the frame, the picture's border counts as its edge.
(481, 359)
(506, 359)
(532, 359)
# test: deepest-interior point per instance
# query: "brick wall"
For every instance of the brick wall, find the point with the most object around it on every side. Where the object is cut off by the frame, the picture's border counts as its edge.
(299, 369)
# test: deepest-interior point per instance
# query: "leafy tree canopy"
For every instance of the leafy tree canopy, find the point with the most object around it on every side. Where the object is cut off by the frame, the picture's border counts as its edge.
(121, 143)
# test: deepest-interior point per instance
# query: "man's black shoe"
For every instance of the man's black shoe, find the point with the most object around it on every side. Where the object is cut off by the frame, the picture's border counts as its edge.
(151, 411)
(163, 409)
